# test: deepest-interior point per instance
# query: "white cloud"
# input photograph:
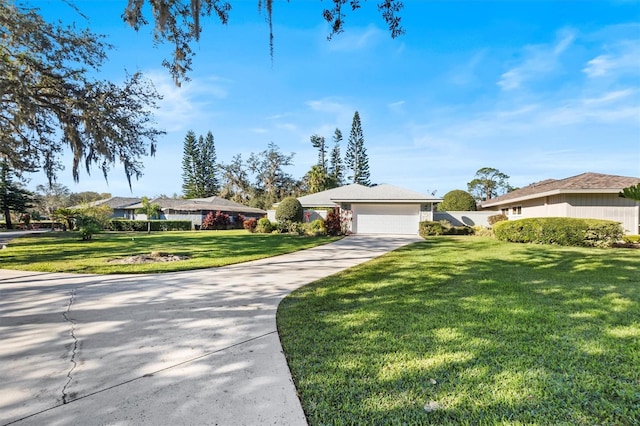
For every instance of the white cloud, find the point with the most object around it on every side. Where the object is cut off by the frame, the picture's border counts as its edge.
(184, 107)
(539, 60)
(355, 39)
(465, 74)
(610, 97)
(623, 58)
(397, 107)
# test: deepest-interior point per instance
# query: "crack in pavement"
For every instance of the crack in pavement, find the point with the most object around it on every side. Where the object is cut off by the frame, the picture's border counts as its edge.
(144, 376)
(75, 345)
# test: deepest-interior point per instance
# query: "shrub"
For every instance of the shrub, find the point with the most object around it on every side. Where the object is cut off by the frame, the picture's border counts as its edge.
(602, 233)
(563, 231)
(459, 230)
(333, 224)
(457, 200)
(289, 227)
(217, 220)
(430, 228)
(316, 228)
(631, 239)
(86, 231)
(87, 226)
(264, 226)
(290, 210)
(250, 224)
(483, 231)
(156, 225)
(443, 227)
(238, 221)
(497, 218)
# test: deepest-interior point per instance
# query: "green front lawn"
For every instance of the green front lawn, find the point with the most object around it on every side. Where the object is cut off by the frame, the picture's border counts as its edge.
(64, 252)
(466, 330)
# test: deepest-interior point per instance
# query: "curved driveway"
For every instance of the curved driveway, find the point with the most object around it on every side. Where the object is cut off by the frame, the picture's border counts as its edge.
(197, 347)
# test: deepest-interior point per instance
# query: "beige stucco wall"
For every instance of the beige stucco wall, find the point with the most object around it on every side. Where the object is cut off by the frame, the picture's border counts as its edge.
(587, 206)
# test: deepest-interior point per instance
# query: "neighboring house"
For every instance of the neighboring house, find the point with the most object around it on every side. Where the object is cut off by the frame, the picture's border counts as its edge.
(381, 209)
(196, 209)
(120, 206)
(589, 195)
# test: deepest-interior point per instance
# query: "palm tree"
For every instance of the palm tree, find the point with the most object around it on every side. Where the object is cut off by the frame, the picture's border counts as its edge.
(150, 210)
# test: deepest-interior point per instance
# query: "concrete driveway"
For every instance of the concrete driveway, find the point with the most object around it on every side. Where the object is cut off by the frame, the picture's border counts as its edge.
(196, 347)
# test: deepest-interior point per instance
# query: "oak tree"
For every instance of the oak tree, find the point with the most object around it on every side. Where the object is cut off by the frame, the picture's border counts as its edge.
(50, 101)
(489, 183)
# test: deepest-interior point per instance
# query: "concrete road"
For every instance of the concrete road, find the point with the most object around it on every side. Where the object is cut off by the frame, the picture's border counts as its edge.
(197, 347)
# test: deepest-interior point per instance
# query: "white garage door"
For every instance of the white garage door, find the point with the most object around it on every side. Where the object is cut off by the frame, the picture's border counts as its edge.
(386, 218)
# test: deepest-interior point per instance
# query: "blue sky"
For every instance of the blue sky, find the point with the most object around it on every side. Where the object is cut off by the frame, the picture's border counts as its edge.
(536, 89)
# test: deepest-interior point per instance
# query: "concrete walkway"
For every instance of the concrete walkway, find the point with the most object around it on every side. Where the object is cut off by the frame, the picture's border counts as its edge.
(197, 347)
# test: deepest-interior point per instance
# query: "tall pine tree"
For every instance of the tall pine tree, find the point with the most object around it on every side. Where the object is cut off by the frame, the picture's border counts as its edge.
(209, 167)
(336, 167)
(356, 157)
(318, 142)
(189, 155)
(199, 168)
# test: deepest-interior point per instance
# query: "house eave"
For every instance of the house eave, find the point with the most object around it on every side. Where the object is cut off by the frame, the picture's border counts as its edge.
(386, 201)
(550, 193)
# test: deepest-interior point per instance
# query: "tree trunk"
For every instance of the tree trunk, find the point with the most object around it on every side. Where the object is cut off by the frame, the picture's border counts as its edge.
(148, 227)
(7, 218)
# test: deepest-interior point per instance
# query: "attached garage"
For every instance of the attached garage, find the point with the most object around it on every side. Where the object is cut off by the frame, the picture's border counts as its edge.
(379, 209)
(386, 218)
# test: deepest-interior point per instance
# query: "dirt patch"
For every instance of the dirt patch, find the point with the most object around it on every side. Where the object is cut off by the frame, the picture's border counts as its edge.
(154, 257)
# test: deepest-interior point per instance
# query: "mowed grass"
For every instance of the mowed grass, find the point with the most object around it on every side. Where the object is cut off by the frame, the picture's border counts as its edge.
(65, 252)
(464, 330)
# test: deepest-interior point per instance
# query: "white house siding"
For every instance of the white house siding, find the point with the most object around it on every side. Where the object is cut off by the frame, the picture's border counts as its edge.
(584, 206)
(195, 218)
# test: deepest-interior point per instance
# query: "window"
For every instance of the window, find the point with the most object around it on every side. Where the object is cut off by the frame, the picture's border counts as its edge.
(505, 211)
(517, 210)
(425, 207)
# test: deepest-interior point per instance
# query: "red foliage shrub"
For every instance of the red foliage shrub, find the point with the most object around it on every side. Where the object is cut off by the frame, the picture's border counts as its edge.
(250, 224)
(332, 223)
(218, 220)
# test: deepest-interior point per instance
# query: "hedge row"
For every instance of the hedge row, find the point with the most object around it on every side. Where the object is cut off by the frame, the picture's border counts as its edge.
(564, 231)
(443, 227)
(156, 225)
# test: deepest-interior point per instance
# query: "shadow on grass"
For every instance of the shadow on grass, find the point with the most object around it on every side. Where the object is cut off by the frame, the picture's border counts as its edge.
(486, 332)
(64, 252)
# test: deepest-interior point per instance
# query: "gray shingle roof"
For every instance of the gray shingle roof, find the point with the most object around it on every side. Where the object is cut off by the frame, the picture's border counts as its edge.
(113, 202)
(585, 182)
(358, 193)
(195, 204)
